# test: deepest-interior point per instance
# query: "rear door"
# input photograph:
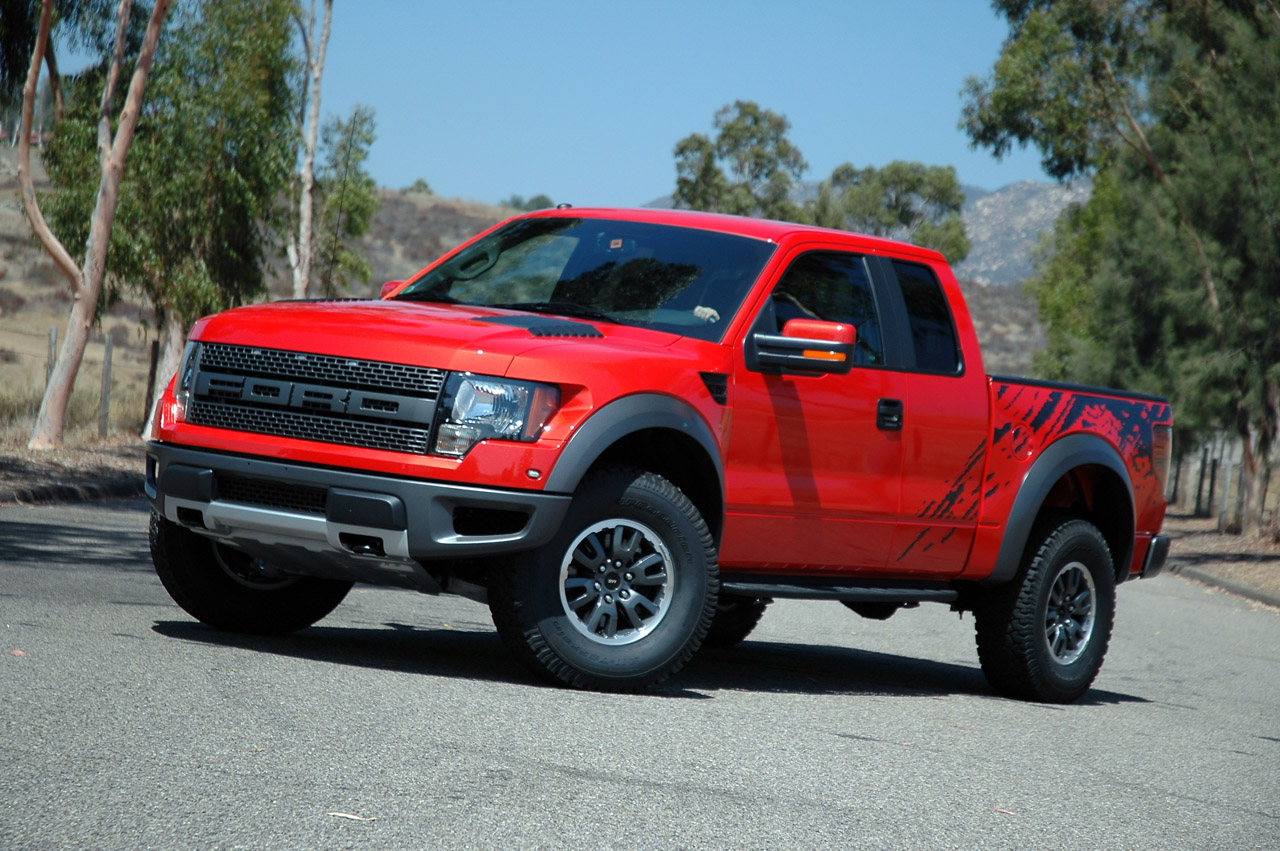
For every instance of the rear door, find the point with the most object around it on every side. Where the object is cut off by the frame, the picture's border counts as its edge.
(945, 422)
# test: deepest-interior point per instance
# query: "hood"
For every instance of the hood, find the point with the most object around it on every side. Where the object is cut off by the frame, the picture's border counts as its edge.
(452, 337)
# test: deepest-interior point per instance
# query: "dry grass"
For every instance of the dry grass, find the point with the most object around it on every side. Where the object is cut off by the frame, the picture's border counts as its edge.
(19, 406)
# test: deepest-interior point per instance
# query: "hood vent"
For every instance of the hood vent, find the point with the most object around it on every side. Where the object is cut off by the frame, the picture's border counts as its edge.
(545, 326)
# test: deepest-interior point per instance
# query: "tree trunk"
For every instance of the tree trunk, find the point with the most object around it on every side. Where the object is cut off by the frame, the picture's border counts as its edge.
(300, 250)
(172, 342)
(55, 84)
(61, 257)
(1249, 510)
(53, 408)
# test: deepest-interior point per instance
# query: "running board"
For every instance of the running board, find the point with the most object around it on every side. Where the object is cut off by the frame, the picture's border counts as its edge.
(852, 593)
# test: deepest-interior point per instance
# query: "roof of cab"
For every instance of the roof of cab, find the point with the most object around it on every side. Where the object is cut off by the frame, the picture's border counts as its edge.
(767, 229)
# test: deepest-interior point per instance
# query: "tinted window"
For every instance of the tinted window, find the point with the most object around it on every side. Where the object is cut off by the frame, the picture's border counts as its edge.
(933, 334)
(836, 288)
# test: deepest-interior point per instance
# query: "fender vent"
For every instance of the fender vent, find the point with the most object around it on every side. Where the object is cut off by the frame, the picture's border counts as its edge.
(717, 385)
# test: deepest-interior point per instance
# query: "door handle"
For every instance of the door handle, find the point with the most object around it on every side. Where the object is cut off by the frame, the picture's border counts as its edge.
(889, 414)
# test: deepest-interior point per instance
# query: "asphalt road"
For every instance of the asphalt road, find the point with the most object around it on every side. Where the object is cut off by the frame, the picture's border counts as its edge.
(400, 722)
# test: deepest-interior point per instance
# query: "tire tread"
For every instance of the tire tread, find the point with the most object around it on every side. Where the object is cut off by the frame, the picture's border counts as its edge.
(527, 643)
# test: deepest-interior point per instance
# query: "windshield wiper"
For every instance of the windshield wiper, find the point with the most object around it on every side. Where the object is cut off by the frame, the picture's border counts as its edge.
(561, 308)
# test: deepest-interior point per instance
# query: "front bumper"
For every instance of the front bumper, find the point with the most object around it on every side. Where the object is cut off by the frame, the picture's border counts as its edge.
(320, 521)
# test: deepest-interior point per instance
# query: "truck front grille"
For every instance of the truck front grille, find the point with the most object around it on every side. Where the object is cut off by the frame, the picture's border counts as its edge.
(418, 381)
(321, 398)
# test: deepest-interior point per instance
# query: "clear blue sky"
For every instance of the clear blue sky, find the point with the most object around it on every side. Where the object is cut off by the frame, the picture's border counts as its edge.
(584, 100)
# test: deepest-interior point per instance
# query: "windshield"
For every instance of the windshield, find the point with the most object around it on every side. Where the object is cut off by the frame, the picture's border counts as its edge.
(681, 280)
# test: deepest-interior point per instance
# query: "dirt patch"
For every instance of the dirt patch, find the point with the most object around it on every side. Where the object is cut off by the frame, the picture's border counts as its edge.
(112, 468)
(1248, 565)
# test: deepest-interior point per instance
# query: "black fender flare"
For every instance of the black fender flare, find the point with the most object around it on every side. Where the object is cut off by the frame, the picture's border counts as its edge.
(1058, 459)
(622, 417)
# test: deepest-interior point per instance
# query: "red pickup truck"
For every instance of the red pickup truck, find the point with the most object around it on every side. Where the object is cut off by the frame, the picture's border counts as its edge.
(628, 431)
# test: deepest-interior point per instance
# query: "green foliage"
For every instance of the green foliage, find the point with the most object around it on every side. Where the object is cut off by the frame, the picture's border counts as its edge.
(1063, 81)
(347, 198)
(537, 202)
(1121, 292)
(749, 169)
(212, 150)
(87, 26)
(421, 187)
(905, 200)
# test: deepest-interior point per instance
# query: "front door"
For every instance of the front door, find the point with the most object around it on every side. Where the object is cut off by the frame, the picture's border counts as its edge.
(814, 467)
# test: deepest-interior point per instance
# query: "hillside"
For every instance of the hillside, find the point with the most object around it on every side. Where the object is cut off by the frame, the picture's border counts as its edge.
(1004, 227)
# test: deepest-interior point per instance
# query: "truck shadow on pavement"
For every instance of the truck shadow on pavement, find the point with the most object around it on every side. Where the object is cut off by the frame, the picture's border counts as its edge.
(50, 546)
(753, 666)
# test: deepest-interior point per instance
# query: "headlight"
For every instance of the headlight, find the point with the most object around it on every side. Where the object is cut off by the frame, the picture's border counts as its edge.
(479, 407)
(186, 378)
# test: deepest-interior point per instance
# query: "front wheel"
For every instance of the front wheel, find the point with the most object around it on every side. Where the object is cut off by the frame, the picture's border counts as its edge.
(229, 590)
(624, 593)
(1045, 635)
(735, 618)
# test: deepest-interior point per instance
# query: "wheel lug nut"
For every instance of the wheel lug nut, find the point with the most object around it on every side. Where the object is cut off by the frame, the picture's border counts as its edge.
(608, 598)
(629, 576)
(626, 595)
(597, 586)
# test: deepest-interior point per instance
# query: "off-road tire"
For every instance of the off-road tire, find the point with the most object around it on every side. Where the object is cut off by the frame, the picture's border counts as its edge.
(215, 585)
(561, 610)
(1044, 636)
(735, 618)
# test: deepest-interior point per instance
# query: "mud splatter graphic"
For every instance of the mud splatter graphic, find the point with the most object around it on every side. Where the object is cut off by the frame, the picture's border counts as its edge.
(960, 502)
(1027, 418)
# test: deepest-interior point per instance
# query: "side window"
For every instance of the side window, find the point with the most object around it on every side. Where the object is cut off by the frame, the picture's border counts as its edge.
(933, 334)
(834, 287)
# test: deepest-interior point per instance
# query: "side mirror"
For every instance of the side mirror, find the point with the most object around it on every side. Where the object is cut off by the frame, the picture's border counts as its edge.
(807, 345)
(389, 287)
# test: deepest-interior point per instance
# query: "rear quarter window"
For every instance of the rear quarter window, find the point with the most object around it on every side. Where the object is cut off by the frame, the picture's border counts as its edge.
(933, 332)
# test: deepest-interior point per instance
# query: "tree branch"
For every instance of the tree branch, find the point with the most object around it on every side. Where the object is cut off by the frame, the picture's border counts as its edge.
(61, 257)
(113, 75)
(55, 83)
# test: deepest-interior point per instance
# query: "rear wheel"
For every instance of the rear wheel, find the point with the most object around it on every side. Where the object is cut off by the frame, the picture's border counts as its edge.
(624, 593)
(1045, 635)
(228, 589)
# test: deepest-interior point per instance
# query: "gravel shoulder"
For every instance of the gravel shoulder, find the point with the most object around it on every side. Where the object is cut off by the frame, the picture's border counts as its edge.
(1249, 567)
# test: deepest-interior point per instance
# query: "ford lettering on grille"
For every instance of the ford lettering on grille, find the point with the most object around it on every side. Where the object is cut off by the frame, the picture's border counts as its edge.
(339, 400)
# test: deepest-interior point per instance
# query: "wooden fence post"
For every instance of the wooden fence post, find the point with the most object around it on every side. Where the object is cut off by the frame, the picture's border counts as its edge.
(1204, 462)
(104, 399)
(1226, 496)
(151, 383)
